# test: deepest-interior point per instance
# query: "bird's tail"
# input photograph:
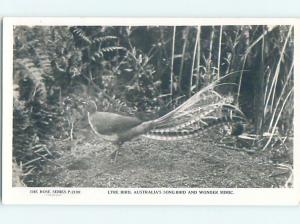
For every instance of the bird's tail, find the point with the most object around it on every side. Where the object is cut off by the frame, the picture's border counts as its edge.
(195, 130)
(205, 110)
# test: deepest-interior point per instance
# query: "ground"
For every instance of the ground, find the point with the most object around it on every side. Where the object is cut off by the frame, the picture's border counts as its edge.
(197, 163)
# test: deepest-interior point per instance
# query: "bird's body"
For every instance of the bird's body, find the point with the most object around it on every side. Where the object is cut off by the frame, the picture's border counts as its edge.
(205, 110)
(115, 127)
(105, 123)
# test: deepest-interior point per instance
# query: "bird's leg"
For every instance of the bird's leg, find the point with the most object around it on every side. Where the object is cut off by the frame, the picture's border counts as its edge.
(114, 155)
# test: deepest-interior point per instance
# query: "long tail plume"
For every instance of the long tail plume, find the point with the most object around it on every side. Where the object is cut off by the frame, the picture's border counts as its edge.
(205, 110)
(174, 135)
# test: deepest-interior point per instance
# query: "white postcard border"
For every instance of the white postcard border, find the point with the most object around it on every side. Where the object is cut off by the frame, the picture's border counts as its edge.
(239, 196)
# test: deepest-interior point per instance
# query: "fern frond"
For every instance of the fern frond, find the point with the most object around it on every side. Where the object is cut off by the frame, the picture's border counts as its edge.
(112, 48)
(79, 33)
(105, 38)
(29, 73)
(100, 53)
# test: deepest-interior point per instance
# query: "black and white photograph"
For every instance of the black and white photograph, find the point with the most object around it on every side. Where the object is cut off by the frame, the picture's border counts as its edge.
(154, 109)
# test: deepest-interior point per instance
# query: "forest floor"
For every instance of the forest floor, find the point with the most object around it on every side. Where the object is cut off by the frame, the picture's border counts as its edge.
(86, 162)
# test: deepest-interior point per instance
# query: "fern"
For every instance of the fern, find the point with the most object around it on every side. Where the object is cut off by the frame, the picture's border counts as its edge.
(30, 80)
(34, 120)
(105, 38)
(79, 33)
(100, 53)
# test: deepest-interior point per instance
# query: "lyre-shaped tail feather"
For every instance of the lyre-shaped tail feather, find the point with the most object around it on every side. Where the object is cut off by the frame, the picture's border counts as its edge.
(203, 111)
(204, 97)
(195, 131)
(196, 112)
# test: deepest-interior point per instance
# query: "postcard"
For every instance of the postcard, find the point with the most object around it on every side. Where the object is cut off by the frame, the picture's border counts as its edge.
(151, 111)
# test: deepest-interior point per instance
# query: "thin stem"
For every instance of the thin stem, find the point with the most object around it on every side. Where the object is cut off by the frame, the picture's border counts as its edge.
(281, 95)
(240, 81)
(172, 62)
(279, 65)
(257, 40)
(274, 82)
(183, 56)
(278, 117)
(219, 54)
(212, 34)
(193, 62)
(267, 86)
(198, 57)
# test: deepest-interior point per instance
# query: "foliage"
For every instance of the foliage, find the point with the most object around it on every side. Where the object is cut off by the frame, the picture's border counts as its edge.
(145, 69)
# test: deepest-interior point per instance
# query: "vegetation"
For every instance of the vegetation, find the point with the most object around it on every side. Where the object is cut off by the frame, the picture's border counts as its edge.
(147, 71)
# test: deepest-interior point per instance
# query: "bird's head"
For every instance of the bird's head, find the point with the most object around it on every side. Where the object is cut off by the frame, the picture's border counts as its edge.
(90, 106)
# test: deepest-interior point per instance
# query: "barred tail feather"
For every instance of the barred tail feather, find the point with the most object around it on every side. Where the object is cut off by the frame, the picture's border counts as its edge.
(176, 135)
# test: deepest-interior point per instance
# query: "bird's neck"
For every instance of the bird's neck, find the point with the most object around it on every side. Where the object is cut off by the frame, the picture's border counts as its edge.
(112, 138)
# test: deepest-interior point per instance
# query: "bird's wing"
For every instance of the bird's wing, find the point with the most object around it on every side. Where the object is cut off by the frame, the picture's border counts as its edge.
(107, 124)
